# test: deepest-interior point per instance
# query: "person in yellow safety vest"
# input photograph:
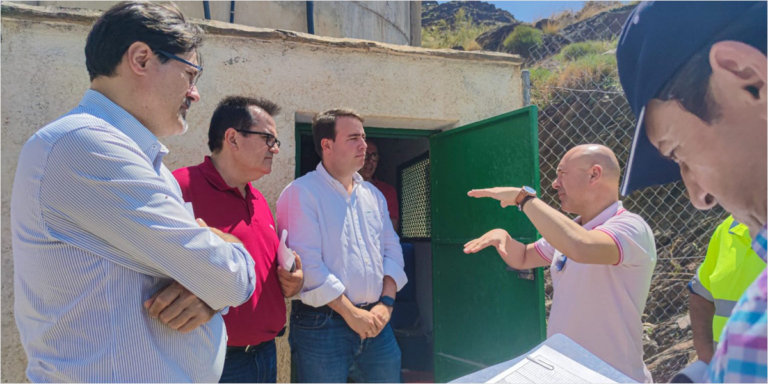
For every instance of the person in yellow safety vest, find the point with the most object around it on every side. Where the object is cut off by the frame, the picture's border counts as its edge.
(728, 269)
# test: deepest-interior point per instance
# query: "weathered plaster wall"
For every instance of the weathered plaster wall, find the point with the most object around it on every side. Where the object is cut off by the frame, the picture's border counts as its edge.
(43, 76)
(384, 21)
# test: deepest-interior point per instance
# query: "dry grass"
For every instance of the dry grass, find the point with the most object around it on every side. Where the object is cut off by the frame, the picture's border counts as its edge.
(550, 28)
(579, 66)
(560, 20)
(555, 22)
(473, 46)
(463, 33)
(592, 8)
(574, 51)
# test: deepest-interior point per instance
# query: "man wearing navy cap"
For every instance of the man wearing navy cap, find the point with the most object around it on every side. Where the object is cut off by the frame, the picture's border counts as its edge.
(695, 77)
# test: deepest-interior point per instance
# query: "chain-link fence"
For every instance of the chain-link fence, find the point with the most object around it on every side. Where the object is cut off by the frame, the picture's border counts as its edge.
(575, 85)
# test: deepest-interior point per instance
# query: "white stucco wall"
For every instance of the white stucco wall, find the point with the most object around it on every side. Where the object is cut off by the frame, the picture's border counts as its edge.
(43, 76)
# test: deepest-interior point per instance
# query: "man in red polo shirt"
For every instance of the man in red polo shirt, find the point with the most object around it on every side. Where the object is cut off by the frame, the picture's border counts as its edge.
(368, 172)
(243, 140)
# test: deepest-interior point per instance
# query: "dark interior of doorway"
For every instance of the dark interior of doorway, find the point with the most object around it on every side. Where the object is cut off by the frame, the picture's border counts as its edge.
(404, 164)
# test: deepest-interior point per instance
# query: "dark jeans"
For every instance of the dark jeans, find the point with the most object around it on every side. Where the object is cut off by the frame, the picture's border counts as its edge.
(325, 349)
(258, 365)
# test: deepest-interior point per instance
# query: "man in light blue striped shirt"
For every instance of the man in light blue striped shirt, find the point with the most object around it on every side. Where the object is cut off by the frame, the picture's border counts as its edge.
(114, 279)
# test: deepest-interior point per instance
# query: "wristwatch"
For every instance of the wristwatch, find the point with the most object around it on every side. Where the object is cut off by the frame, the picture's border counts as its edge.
(388, 301)
(526, 193)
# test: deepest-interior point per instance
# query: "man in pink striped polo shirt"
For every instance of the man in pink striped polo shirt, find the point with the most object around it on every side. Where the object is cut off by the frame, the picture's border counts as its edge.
(601, 262)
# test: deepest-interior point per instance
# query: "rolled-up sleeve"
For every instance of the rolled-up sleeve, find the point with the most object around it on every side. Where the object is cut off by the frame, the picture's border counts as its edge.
(700, 283)
(394, 266)
(101, 184)
(697, 287)
(297, 211)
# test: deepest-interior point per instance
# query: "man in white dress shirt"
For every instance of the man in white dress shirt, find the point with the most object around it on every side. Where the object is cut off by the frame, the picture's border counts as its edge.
(352, 259)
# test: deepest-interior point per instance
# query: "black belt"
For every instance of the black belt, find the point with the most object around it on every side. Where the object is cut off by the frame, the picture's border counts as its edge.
(254, 347)
(297, 306)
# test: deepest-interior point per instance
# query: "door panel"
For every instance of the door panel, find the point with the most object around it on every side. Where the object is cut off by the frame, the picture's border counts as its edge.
(483, 313)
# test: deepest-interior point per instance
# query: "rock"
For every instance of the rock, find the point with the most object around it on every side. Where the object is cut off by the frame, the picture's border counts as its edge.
(602, 26)
(541, 23)
(493, 40)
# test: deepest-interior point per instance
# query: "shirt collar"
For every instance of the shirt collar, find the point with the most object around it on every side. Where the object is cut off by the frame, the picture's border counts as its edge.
(356, 179)
(760, 244)
(118, 117)
(738, 229)
(214, 177)
(612, 210)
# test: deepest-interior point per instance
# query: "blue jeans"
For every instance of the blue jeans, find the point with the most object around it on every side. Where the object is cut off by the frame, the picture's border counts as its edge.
(258, 365)
(325, 349)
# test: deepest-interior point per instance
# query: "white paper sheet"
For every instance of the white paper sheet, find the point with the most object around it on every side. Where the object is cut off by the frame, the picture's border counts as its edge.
(284, 254)
(546, 365)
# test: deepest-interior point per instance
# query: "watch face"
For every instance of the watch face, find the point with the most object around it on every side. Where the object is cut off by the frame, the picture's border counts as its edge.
(529, 190)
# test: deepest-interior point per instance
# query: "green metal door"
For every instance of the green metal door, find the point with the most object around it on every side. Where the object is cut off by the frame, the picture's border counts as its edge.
(484, 313)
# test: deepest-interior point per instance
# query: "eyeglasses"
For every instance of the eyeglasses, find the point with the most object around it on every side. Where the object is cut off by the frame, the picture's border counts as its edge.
(271, 139)
(193, 81)
(373, 156)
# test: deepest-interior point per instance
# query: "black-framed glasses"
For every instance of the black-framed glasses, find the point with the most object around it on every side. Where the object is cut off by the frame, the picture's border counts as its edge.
(270, 138)
(199, 73)
(373, 156)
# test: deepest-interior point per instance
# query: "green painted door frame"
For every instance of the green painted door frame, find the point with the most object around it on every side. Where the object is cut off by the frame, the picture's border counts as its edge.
(373, 132)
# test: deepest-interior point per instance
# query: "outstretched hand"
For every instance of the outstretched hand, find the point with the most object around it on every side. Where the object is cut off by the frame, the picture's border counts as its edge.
(498, 238)
(506, 195)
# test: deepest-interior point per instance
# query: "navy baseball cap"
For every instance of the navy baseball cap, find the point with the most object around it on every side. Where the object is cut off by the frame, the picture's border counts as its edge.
(658, 38)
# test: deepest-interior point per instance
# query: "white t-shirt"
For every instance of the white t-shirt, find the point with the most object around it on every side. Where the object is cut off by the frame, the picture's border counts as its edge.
(599, 306)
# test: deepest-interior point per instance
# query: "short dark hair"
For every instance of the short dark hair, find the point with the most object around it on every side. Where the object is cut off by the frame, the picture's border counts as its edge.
(690, 84)
(234, 112)
(324, 125)
(160, 26)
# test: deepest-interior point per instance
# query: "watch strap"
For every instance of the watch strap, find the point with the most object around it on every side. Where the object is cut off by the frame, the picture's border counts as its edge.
(389, 301)
(525, 200)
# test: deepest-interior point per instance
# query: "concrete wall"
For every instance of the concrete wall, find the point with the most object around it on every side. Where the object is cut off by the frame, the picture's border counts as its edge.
(43, 76)
(395, 22)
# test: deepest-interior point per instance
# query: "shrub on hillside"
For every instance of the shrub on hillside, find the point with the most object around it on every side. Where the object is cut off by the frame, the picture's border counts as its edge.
(575, 51)
(522, 39)
(587, 72)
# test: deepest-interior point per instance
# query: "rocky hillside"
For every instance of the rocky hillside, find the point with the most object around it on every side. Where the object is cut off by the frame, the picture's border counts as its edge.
(481, 26)
(596, 21)
(456, 24)
(480, 12)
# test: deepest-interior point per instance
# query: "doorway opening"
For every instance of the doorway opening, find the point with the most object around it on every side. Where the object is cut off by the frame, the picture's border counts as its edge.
(403, 164)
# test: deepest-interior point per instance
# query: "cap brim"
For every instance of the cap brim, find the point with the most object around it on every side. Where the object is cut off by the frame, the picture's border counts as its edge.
(646, 167)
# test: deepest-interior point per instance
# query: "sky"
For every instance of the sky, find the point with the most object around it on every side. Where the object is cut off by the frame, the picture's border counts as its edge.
(530, 11)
